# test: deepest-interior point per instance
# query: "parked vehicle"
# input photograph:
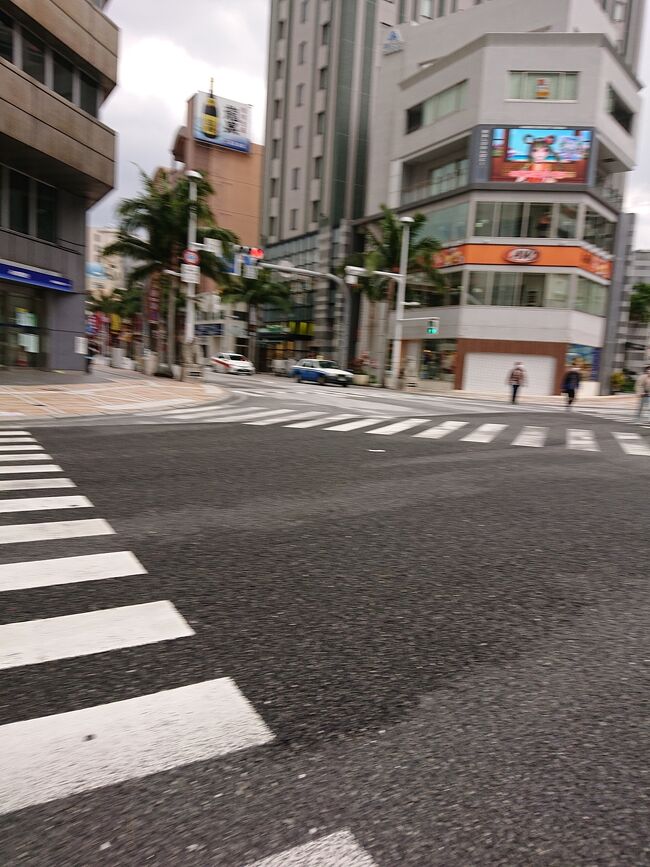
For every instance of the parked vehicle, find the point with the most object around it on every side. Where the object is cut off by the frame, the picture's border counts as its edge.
(321, 371)
(231, 362)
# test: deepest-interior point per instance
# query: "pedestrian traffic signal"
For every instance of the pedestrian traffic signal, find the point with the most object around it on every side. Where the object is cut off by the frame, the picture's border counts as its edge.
(433, 326)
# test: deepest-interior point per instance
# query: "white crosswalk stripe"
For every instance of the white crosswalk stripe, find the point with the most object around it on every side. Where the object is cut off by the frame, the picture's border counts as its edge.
(398, 427)
(484, 434)
(336, 850)
(44, 504)
(581, 440)
(532, 437)
(6, 441)
(289, 416)
(356, 425)
(441, 430)
(52, 758)
(215, 411)
(54, 530)
(35, 484)
(633, 444)
(317, 422)
(5, 449)
(21, 457)
(69, 570)
(36, 641)
(55, 756)
(14, 433)
(250, 416)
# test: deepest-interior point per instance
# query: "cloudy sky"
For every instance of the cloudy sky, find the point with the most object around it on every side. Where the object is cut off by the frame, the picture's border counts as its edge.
(169, 50)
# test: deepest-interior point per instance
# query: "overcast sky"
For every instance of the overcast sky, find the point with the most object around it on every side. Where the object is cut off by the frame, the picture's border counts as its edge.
(170, 50)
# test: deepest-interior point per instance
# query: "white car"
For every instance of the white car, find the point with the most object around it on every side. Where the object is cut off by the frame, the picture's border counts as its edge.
(232, 362)
(321, 371)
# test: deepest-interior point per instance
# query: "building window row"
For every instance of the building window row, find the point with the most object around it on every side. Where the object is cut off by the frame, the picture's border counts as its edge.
(449, 177)
(560, 86)
(526, 220)
(447, 102)
(49, 67)
(532, 289)
(27, 205)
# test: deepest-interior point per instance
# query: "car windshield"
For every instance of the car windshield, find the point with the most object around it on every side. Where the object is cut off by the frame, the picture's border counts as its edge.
(234, 357)
(328, 364)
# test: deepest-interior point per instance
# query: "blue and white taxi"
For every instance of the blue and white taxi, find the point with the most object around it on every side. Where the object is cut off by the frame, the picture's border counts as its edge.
(322, 371)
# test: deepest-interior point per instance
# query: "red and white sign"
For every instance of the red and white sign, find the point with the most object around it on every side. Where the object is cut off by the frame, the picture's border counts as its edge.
(190, 257)
(521, 255)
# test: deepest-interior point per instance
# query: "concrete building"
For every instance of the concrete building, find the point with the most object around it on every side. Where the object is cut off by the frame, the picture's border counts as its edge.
(236, 177)
(58, 63)
(104, 274)
(633, 350)
(511, 124)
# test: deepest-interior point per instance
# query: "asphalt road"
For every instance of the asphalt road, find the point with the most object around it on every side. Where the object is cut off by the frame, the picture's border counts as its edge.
(447, 640)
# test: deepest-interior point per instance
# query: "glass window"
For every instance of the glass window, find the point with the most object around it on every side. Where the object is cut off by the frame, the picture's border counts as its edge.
(568, 221)
(557, 290)
(314, 211)
(414, 118)
(477, 292)
(539, 220)
(318, 166)
(300, 91)
(320, 123)
(275, 149)
(297, 136)
(543, 85)
(598, 299)
(301, 53)
(63, 77)
(304, 9)
(46, 212)
(569, 86)
(6, 37)
(295, 179)
(277, 109)
(510, 221)
(447, 224)
(582, 295)
(293, 221)
(19, 202)
(619, 110)
(532, 289)
(325, 34)
(504, 291)
(484, 219)
(33, 57)
(88, 91)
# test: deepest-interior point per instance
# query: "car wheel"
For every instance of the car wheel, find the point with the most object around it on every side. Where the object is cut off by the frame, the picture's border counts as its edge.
(344, 384)
(322, 380)
(298, 378)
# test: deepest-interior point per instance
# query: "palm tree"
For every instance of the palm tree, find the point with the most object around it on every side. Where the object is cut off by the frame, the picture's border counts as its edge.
(263, 291)
(640, 304)
(153, 232)
(383, 253)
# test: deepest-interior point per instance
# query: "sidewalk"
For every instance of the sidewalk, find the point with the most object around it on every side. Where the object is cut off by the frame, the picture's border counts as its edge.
(31, 394)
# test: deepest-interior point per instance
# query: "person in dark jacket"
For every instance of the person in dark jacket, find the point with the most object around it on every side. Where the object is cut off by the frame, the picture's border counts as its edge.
(571, 384)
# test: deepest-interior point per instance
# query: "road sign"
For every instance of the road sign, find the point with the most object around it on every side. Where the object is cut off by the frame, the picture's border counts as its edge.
(190, 257)
(213, 246)
(433, 326)
(250, 272)
(190, 274)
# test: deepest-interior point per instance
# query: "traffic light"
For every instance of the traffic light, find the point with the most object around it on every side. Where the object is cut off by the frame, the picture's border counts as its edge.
(433, 326)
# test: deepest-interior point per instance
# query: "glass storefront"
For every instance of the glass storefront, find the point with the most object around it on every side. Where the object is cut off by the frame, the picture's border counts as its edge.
(22, 327)
(438, 360)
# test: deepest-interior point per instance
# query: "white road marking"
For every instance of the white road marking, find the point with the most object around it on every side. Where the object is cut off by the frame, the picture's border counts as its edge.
(69, 570)
(398, 426)
(14, 433)
(42, 504)
(185, 415)
(633, 444)
(581, 440)
(35, 641)
(21, 457)
(35, 484)
(54, 530)
(533, 437)
(320, 421)
(16, 440)
(290, 416)
(30, 448)
(43, 468)
(484, 434)
(65, 754)
(335, 850)
(355, 425)
(246, 416)
(441, 430)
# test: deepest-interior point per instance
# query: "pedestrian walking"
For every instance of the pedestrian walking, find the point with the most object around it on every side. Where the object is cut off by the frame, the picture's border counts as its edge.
(642, 388)
(571, 384)
(516, 378)
(90, 354)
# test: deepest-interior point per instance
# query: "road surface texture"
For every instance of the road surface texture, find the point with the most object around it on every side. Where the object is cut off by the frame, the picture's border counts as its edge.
(265, 645)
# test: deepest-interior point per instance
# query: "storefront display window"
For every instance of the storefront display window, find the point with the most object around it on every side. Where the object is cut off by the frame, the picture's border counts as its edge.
(504, 290)
(510, 220)
(438, 360)
(532, 290)
(477, 292)
(539, 220)
(484, 219)
(22, 336)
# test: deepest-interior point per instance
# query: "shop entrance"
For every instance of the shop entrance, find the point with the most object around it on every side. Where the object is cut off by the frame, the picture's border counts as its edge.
(22, 332)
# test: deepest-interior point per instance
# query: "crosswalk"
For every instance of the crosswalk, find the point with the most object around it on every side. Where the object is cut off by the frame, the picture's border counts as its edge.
(50, 757)
(526, 436)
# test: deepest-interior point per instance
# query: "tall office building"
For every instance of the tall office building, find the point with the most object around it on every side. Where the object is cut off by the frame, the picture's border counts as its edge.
(633, 338)
(511, 125)
(58, 63)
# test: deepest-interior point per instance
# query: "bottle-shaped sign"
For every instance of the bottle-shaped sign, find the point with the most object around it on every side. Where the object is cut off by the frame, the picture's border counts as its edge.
(210, 119)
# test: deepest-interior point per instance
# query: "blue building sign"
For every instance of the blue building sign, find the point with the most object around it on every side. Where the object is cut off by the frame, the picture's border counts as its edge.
(34, 277)
(211, 329)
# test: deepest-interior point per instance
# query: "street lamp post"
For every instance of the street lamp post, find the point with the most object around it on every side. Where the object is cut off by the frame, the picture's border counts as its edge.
(190, 311)
(401, 297)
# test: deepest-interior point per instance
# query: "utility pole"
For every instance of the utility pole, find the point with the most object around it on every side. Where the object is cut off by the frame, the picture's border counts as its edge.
(401, 298)
(190, 310)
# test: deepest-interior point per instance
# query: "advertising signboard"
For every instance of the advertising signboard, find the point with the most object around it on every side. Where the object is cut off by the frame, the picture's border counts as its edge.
(533, 155)
(547, 256)
(222, 122)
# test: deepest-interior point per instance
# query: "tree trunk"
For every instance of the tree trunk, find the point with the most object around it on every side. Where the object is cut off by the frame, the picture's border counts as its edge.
(171, 325)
